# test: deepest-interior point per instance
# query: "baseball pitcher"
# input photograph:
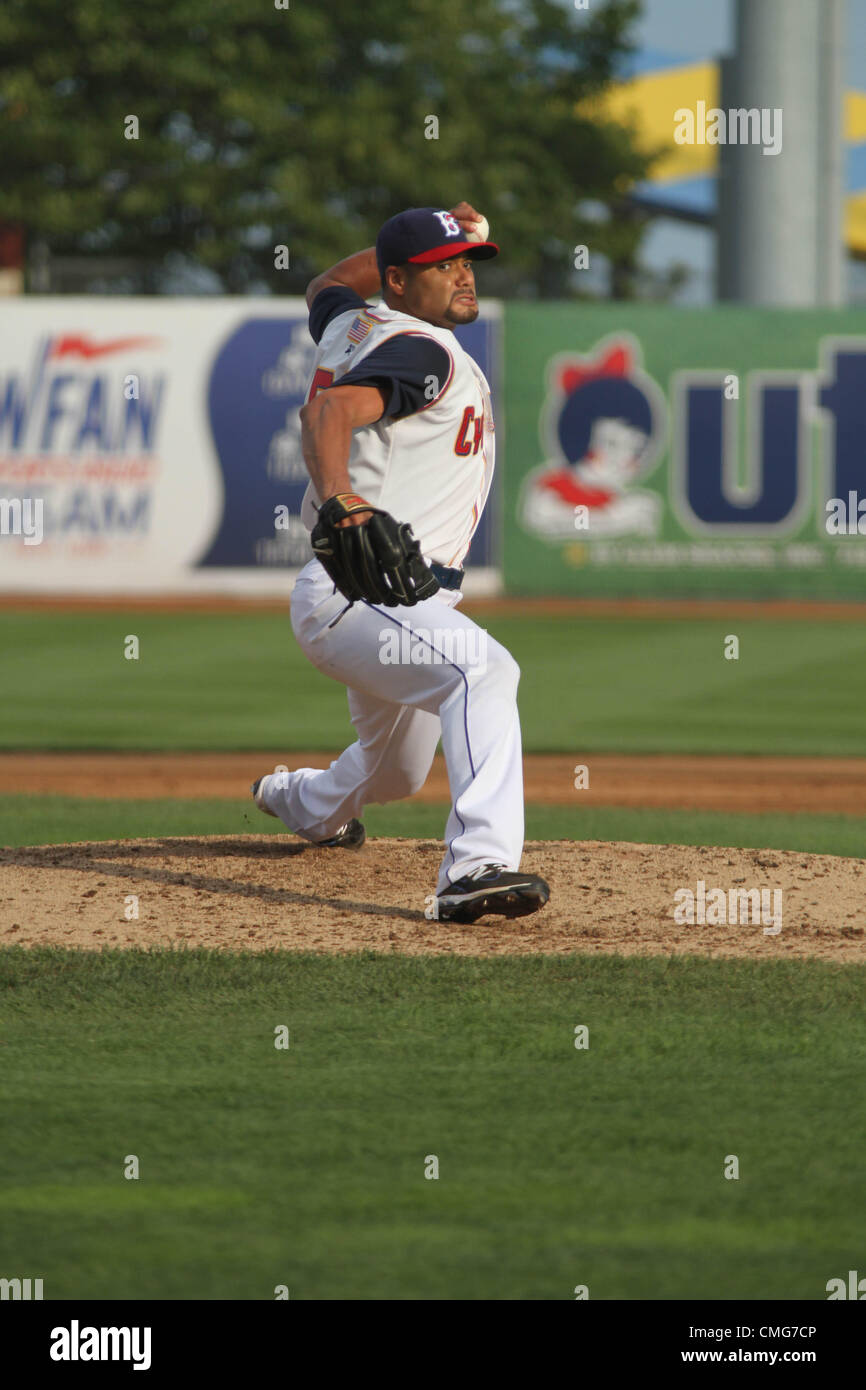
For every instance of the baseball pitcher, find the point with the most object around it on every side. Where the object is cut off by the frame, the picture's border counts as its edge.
(398, 439)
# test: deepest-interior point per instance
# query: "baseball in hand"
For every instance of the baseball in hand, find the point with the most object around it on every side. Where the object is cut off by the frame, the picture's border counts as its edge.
(480, 232)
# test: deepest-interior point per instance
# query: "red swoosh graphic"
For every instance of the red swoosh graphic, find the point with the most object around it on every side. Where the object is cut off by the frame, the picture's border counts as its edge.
(79, 346)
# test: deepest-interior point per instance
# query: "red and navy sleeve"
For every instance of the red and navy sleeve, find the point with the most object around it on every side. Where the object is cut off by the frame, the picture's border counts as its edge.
(328, 303)
(412, 370)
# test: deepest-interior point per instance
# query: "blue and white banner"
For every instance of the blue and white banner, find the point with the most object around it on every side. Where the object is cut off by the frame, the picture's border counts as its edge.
(151, 445)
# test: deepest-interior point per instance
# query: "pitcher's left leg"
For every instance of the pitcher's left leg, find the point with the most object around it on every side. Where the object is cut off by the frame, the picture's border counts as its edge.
(389, 761)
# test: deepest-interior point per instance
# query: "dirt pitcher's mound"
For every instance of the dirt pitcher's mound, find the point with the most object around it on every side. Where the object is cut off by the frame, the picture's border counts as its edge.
(265, 892)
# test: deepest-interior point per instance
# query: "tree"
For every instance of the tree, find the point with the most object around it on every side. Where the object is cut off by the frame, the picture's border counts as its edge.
(257, 127)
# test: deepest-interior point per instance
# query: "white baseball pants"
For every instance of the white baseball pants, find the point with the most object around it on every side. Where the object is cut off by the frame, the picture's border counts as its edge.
(413, 674)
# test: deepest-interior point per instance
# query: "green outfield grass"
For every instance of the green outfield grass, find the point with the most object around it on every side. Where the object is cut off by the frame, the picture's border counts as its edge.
(236, 681)
(37, 820)
(305, 1166)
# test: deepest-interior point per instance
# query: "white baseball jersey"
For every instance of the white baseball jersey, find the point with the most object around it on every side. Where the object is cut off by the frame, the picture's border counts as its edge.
(430, 458)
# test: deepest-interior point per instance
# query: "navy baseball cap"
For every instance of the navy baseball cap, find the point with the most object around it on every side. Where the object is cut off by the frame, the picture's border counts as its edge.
(425, 235)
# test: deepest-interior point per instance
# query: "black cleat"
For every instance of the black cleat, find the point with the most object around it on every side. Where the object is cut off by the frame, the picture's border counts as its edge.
(492, 889)
(350, 836)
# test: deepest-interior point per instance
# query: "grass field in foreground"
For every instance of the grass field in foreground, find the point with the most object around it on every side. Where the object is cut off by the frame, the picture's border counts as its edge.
(239, 680)
(305, 1166)
(37, 820)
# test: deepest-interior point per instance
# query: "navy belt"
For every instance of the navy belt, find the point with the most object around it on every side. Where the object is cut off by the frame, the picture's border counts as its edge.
(448, 579)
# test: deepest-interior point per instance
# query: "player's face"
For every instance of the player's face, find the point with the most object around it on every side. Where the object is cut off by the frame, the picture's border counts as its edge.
(442, 293)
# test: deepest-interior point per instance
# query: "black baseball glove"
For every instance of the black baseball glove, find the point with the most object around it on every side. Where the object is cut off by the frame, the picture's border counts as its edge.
(378, 560)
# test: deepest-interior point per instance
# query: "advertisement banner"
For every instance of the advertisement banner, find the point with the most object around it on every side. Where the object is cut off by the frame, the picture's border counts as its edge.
(153, 445)
(678, 452)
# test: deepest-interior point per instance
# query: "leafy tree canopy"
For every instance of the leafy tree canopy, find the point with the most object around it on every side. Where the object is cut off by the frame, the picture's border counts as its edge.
(305, 127)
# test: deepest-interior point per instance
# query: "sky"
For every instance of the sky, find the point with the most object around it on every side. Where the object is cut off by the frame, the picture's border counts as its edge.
(703, 28)
(689, 28)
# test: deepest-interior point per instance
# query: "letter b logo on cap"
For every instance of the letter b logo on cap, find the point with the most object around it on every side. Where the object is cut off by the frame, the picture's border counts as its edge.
(450, 225)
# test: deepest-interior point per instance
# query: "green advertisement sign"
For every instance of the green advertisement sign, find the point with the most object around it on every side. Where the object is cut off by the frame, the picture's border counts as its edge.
(678, 452)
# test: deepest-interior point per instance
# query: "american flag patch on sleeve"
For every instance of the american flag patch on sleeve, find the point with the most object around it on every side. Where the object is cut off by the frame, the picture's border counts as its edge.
(359, 330)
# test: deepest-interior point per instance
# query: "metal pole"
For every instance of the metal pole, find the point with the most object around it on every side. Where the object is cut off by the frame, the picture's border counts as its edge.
(778, 243)
(831, 155)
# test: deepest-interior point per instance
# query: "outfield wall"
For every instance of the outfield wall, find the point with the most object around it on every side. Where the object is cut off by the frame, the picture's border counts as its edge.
(678, 452)
(642, 451)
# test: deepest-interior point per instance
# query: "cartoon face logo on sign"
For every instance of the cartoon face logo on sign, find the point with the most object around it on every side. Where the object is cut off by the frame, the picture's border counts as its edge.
(602, 426)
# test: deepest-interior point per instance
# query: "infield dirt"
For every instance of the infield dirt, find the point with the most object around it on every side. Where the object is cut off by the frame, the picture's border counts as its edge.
(816, 785)
(266, 892)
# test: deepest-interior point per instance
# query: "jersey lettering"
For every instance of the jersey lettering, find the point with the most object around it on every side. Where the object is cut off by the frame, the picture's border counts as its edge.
(462, 445)
(324, 376)
(479, 433)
